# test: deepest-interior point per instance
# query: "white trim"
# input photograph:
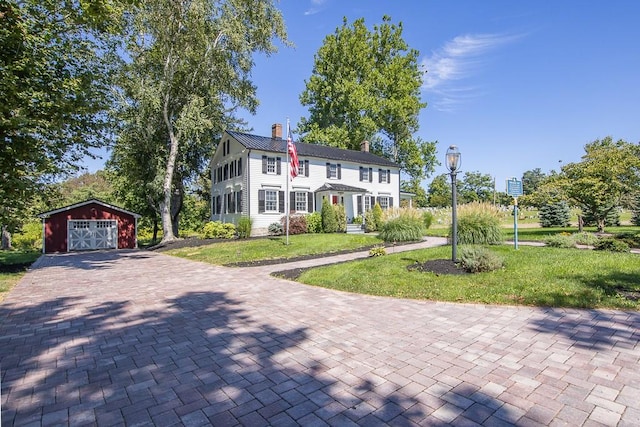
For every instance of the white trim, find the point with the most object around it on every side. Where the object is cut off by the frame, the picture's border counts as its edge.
(87, 202)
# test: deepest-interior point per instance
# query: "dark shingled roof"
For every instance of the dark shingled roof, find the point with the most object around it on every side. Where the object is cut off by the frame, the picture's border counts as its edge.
(341, 187)
(264, 143)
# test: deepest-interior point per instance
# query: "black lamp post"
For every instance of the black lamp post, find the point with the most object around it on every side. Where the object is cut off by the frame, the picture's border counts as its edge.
(453, 163)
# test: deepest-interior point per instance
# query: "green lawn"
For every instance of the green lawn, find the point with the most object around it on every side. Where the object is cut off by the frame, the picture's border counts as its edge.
(532, 276)
(275, 247)
(12, 267)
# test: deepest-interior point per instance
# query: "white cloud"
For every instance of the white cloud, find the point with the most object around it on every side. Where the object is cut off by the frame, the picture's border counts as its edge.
(457, 60)
(316, 6)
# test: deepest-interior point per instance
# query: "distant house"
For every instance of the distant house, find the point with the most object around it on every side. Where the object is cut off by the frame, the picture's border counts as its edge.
(89, 225)
(249, 178)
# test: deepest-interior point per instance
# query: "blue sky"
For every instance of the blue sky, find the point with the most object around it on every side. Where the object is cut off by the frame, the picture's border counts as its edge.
(516, 85)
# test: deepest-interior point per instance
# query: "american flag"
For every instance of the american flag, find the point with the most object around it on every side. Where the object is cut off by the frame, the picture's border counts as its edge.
(293, 156)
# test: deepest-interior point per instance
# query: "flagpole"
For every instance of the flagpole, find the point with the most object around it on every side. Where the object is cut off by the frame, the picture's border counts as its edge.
(287, 198)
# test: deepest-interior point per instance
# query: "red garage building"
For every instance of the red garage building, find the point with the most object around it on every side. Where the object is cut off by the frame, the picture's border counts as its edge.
(89, 225)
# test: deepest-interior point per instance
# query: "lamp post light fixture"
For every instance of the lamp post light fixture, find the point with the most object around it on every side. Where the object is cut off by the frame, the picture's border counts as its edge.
(453, 164)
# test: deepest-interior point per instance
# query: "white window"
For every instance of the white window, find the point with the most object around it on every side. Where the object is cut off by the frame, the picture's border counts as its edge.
(383, 175)
(301, 171)
(365, 174)
(367, 203)
(333, 171)
(271, 201)
(301, 201)
(384, 202)
(271, 165)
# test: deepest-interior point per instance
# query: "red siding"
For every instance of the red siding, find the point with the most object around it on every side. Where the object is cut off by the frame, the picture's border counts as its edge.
(55, 228)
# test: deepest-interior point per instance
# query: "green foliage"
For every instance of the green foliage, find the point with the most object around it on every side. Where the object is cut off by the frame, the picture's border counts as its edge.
(366, 86)
(29, 238)
(611, 218)
(358, 219)
(185, 72)
(244, 227)
(402, 229)
(420, 198)
(218, 230)
(612, 245)
(56, 65)
(439, 192)
(377, 215)
(478, 259)
(297, 224)
(275, 229)
(475, 187)
(329, 219)
(369, 222)
(630, 238)
(560, 241)
(377, 251)
(555, 215)
(608, 171)
(531, 180)
(341, 218)
(478, 224)
(314, 222)
(427, 219)
(585, 238)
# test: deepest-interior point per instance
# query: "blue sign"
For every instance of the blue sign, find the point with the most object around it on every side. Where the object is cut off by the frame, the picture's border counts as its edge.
(514, 187)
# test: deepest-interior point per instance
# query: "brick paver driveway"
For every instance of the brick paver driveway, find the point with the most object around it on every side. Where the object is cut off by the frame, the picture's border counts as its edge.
(138, 338)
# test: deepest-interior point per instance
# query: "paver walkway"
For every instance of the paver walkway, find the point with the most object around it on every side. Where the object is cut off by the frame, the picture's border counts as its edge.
(141, 338)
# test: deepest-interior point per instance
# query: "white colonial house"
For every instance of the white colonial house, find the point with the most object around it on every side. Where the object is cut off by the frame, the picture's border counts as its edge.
(249, 178)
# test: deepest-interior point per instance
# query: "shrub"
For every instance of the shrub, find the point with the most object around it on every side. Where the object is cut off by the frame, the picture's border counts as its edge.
(244, 227)
(586, 238)
(612, 219)
(377, 215)
(218, 230)
(314, 222)
(329, 220)
(402, 229)
(477, 259)
(29, 238)
(377, 251)
(555, 215)
(297, 224)
(478, 224)
(611, 244)
(357, 220)
(560, 241)
(427, 219)
(275, 229)
(369, 222)
(341, 218)
(630, 238)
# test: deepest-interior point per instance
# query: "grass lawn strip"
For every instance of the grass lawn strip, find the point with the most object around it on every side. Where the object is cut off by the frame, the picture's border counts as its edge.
(13, 265)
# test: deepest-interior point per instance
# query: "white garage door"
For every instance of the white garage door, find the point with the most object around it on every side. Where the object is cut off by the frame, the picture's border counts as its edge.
(92, 234)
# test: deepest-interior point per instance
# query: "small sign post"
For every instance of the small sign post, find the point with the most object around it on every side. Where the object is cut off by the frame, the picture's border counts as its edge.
(514, 189)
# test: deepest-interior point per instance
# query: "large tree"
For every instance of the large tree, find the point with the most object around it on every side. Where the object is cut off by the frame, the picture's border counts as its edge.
(366, 86)
(476, 187)
(607, 173)
(188, 70)
(54, 91)
(440, 191)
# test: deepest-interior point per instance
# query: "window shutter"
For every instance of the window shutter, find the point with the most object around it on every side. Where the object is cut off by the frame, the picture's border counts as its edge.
(339, 171)
(370, 174)
(377, 200)
(281, 201)
(388, 176)
(310, 201)
(306, 168)
(292, 201)
(239, 205)
(379, 175)
(278, 166)
(361, 172)
(390, 202)
(264, 164)
(261, 201)
(359, 198)
(328, 170)
(239, 167)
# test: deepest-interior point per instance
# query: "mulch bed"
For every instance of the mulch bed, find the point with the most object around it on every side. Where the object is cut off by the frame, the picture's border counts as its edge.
(14, 268)
(438, 267)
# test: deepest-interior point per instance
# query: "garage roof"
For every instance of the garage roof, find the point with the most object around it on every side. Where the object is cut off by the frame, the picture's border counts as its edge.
(87, 202)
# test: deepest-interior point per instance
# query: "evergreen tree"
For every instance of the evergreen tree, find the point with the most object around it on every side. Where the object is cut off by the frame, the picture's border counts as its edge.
(329, 220)
(555, 215)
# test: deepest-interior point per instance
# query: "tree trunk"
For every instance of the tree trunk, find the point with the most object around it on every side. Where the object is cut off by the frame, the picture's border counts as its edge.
(601, 224)
(176, 207)
(165, 205)
(580, 223)
(155, 230)
(6, 239)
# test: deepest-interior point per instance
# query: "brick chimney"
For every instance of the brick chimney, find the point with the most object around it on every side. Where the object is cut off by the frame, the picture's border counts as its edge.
(364, 146)
(276, 131)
